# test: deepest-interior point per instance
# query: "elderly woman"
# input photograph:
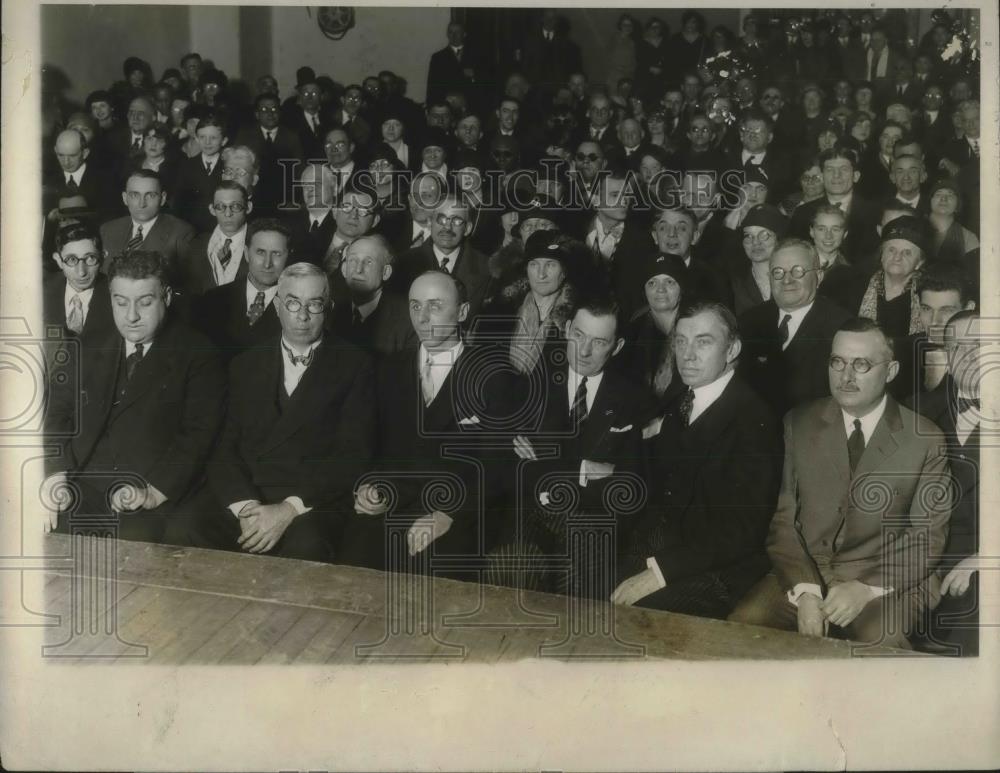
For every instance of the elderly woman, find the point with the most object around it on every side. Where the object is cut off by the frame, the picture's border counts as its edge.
(749, 273)
(434, 149)
(647, 357)
(388, 178)
(393, 134)
(891, 298)
(950, 240)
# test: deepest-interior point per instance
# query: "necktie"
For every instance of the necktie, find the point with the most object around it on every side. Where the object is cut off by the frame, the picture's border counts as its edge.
(855, 446)
(426, 382)
(297, 359)
(356, 319)
(225, 254)
(314, 227)
(256, 309)
(458, 54)
(270, 138)
(132, 361)
(783, 328)
(74, 320)
(975, 146)
(136, 145)
(208, 168)
(444, 263)
(71, 185)
(687, 405)
(965, 403)
(135, 241)
(418, 239)
(578, 411)
(900, 89)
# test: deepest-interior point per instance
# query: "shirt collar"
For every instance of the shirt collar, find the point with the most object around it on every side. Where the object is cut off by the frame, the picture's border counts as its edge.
(85, 295)
(705, 395)
(444, 357)
(317, 215)
(146, 227)
(366, 308)
(441, 255)
(868, 422)
(130, 347)
(295, 350)
(574, 379)
(252, 291)
(797, 315)
(77, 176)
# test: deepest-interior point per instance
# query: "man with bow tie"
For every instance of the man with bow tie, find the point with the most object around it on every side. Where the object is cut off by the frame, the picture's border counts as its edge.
(299, 430)
(863, 512)
(438, 404)
(135, 437)
(956, 406)
(714, 467)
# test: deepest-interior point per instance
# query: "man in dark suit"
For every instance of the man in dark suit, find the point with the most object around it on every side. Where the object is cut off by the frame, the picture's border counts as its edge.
(215, 257)
(548, 55)
(349, 117)
(786, 339)
(299, 430)
(714, 472)
(453, 66)
(960, 159)
(146, 226)
(241, 315)
(150, 404)
(424, 402)
(599, 126)
(756, 135)
(125, 142)
(305, 116)
(277, 148)
(956, 408)
(933, 123)
(415, 223)
(842, 555)
(593, 416)
(908, 176)
(375, 318)
(448, 249)
(78, 178)
(840, 175)
(676, 231)
(77, 298)
(312, 226)
(197, 176)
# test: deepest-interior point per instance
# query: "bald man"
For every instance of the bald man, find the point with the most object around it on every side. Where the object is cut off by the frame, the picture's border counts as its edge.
(77, 178)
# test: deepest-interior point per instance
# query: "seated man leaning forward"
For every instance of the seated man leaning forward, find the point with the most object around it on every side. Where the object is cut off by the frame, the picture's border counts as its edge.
(864, 507)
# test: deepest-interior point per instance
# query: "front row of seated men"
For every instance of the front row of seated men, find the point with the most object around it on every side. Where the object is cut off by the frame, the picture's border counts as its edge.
(309, 451)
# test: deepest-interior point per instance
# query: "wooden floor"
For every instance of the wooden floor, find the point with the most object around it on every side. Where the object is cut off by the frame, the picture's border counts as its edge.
(188, 606)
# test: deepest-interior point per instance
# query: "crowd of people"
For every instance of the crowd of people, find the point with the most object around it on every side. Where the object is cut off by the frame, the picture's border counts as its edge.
(719, 299)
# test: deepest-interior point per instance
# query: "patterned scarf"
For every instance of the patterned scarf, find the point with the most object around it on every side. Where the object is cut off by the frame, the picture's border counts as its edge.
(876, 290)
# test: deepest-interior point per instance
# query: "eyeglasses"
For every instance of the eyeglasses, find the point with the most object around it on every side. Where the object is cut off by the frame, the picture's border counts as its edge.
(135, 197)
(339, 145)
(294, 305)
(229, 209)
(267, 110)
(498, 154)
(701, 130)
(234, 171)
(858, 364)
(811, 178)
(347, 208)
(454, 221)
(752, 132)
(90, 259)
(760, 238)
(353, 263)
(352, 98)
(591, 157)
(797, 272)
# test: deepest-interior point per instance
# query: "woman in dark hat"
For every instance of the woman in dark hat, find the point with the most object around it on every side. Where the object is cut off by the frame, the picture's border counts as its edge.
(389, 179)
(648, 357)
(100, 104)
(950, 240)
(749, 275)
(891, 297)
(435, 147)
(392, 128)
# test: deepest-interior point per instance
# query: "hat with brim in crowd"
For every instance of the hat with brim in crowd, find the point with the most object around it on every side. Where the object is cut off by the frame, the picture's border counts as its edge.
(663, 264)
(908, 228)
(766, 216)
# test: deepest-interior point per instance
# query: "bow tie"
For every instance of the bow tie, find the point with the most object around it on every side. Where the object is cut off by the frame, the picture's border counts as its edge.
(965, 403)
(299, 359)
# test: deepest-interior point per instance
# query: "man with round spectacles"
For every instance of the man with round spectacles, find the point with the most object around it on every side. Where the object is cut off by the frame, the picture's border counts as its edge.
(864, 507)
(299, 431)
(787, 338)
(77, 299)
(215, 257)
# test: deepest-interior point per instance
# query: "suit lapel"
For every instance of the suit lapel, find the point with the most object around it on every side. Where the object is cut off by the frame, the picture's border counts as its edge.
(147, 372)
(316, 384)
(883, 443)
(834, 441)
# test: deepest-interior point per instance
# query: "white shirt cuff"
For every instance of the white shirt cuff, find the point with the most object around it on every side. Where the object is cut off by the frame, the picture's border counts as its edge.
(237, 507)
(655, 567)
(298, 504)
(804, 587)
(878, 592)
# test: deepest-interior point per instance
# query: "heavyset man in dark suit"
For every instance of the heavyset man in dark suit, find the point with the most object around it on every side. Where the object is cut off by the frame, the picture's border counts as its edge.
(786, 339)
(146, 226)
(150, 404)
(241, 315)
(714, 472)
(863, 512)
(298, 432)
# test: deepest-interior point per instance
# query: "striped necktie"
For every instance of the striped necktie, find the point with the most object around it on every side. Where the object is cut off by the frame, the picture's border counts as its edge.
(135, 241)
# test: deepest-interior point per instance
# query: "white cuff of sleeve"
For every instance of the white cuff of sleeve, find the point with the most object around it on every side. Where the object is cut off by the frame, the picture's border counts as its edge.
(878, 592)
(298, 504)
(237, 507)
(583, 476)
(804, 587)
(655, 567)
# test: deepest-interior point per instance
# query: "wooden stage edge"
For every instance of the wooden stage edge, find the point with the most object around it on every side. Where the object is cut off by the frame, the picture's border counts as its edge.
(174, 605)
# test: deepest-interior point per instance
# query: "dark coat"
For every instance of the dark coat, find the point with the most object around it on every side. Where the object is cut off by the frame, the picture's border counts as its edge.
(386, 330)
(221, 315)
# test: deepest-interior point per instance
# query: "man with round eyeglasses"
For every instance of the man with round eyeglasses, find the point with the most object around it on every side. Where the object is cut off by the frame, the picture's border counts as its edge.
(864, 507)
(786, 339)
(299, 430)
(215, 257)
(77, 299)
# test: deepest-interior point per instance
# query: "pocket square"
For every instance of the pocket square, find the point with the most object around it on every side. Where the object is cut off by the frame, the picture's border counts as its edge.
(469, 420)
(652, 429)
(626, 428)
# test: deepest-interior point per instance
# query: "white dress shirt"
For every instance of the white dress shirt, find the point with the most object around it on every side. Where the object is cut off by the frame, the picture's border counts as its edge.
(868, 424)
(842, 201)
(272, 133)
(146, 228)
(224, 276)
(756, 158)
(270, 294)
(77, 176)
(967, 421)
(85, 298)
(130, 348)
(440, 255)
(604, 240)
(317, 216)
(573, 380)
(797, 315)
(441, 364)
(212, 160)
